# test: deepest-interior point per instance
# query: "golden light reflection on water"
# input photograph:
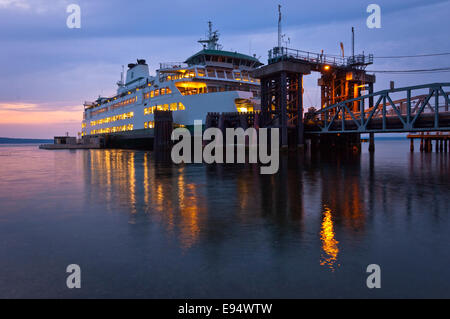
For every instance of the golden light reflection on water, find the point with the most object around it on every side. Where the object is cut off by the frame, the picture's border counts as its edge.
(329, 243)
(189, 210)
(146, 179)
(132, 182)
(178, 205)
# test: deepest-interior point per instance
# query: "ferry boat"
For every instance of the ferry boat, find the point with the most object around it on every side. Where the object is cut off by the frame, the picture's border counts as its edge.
(211, 80)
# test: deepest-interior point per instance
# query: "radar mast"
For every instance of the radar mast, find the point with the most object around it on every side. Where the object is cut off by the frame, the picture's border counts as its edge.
(213, 38)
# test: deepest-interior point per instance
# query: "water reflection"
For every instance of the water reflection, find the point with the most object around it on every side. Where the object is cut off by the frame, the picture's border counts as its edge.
(314, 199)
(151, 229)
(329, 242)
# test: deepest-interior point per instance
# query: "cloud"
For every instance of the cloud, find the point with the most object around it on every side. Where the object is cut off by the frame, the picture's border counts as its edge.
(19, 4)
(48, 70)
(17, 113)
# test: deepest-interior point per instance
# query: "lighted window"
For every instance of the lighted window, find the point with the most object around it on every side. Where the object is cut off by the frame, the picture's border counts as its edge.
(229, 75)
(150, 124)
(173, 106)
(201, 72)
(181, 106)
(191, 88)
(211, 72)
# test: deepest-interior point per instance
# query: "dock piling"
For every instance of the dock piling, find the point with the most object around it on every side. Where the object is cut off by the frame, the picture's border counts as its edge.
(371, 142)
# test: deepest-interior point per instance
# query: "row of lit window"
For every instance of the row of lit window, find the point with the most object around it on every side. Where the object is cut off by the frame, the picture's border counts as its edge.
(96, 112)
(157, 92)
(215, 73)
(114, 118)
(188, 74)
(114, 129)
(164, 107)
(151, 124)
(124, 103)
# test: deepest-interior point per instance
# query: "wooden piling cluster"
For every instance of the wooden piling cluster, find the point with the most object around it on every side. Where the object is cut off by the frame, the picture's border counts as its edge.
(440, 139)
(163, 130)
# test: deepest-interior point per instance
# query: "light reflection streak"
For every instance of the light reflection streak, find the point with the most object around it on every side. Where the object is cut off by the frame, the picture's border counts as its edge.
(329, 242)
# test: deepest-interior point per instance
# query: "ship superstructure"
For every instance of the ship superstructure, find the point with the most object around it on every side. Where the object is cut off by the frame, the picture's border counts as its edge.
(212, 80)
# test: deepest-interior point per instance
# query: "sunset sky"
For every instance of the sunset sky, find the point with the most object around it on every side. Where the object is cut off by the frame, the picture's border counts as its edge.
(49, 70)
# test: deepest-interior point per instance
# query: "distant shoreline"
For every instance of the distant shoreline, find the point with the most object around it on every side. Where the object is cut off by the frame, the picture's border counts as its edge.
(9, 140)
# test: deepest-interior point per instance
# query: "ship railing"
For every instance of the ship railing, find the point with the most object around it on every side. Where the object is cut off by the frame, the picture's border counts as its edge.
(88, 105)
(172, 65)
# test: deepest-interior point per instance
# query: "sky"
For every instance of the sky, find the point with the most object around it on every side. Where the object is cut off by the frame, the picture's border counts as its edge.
(48, 70)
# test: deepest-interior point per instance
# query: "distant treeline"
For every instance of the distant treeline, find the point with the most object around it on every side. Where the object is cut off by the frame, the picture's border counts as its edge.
(7, 140)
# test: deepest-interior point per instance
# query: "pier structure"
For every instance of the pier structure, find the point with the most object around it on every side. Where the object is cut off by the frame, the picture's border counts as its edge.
(441, 140)
(282, 98)
(282, 89)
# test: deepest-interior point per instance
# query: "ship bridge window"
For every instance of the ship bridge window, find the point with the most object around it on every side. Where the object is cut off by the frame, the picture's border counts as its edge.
(190, 74)
(211, 72)
(220, 74)
(229, 75)
(191, 88)
(237, 76)
(201, 72)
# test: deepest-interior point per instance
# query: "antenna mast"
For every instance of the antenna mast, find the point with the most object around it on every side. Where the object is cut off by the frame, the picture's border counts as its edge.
(211, 43)
(353, 42)
(279, 25)
(120, 83)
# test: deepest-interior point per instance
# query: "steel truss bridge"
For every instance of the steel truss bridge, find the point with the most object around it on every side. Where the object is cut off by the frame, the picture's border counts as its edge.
(409, 109)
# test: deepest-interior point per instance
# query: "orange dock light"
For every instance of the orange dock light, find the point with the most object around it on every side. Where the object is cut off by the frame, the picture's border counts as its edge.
(326, 67)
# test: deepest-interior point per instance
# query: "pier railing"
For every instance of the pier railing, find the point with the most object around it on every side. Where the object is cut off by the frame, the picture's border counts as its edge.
(423, 112)
(282, 53)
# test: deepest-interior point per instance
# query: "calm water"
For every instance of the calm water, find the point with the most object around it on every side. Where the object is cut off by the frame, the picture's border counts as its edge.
(139, 227)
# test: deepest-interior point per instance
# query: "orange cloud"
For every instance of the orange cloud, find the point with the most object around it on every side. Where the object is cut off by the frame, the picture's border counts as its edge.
(27, 113)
